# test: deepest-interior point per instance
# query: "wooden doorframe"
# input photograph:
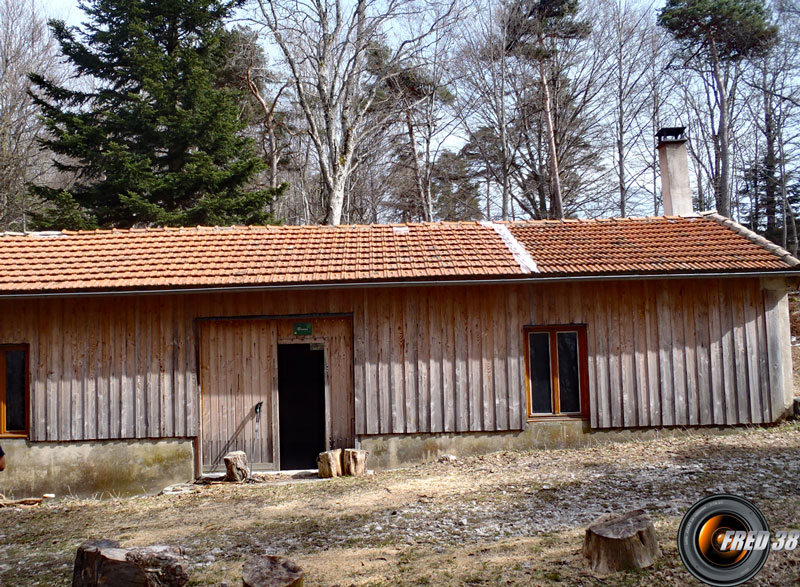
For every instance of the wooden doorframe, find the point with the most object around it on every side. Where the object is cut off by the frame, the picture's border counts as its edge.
(196, 324)
(326, 358)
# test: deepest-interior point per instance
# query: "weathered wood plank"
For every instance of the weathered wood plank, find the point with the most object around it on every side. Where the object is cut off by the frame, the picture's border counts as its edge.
(639, 320)
(757, 299)
(500, 358)
(703, 356)
(664, 312)
(410, 359)
(475, 374)
(654, 377)
(448, 362)
(741, 350)
(487, 361)
(778, 337)
(600, 326)
(461, 360)
(730, 366)
(435, 360)
(690, 355)
(716, 362)
(629, 391)
(423, 365)
(587, 299)
(397, 371)
(385, 405)
(614, 348)
(753, 364)
(360, 362)
(371, 383)
(679, 355)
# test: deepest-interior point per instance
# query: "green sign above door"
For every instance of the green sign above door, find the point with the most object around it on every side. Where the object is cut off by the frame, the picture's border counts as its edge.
(302, 329)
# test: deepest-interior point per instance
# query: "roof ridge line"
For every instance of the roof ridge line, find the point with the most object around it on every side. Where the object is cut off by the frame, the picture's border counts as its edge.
(753, 237)
(521, 255)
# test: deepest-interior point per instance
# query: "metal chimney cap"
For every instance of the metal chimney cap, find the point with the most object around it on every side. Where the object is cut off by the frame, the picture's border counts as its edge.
(672, 133)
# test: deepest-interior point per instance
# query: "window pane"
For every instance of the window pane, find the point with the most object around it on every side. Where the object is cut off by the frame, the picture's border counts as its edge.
(568, 372)
(541, 394)
(15, 390)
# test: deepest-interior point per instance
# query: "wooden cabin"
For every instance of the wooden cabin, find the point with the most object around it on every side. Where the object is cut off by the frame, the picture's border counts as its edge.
(134, 358)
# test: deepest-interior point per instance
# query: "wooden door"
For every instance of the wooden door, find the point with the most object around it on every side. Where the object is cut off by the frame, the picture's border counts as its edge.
(238, 369)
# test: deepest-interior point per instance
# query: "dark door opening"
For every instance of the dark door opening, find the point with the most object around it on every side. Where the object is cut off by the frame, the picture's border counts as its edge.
(301, 405)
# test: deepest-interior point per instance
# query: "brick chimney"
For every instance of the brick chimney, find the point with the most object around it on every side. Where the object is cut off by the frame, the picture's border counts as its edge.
(673, 161)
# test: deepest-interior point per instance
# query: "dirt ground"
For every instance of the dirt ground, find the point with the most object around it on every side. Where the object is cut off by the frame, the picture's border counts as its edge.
(509, 518)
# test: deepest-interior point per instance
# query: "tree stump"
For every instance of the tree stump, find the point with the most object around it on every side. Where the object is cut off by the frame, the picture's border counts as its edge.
(354, 462)
(236, 466)
(614, 542)
(271, 571)
(330, 463)
(103, 563)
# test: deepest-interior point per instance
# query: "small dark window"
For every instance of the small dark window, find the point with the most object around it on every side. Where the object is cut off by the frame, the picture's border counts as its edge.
(13, 389)
(557, 373)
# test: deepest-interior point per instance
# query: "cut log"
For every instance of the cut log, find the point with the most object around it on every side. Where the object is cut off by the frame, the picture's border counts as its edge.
(271, 571)
(354, 462)
(330, 463)
(103, 563)
(236, 466)
(10, 503)
(615, 542)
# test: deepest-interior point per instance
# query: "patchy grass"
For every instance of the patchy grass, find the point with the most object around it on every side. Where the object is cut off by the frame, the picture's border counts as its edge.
(510, 518)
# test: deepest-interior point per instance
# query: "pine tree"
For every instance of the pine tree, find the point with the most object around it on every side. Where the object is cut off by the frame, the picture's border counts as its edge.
(533, 27)
(157, 140)
(716, 32)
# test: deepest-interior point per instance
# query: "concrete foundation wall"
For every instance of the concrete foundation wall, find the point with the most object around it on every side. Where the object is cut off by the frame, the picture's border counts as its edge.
(102, 468)
(393, 451)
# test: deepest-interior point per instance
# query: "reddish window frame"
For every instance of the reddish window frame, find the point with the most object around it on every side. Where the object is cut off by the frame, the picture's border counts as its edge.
(14, 433)
(583, 372)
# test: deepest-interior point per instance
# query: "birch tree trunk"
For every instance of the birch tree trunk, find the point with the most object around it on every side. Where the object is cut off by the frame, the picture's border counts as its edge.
(722, 189)
(556, 203)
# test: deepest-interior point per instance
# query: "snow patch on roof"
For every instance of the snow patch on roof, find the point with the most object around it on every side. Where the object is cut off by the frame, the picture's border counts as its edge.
(520, 253)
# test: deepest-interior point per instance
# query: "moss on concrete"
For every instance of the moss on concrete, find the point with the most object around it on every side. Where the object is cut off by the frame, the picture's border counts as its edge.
(401, 450)
(122, 467)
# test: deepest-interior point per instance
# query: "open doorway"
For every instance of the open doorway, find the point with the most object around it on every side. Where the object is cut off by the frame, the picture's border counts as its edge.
(301, 408)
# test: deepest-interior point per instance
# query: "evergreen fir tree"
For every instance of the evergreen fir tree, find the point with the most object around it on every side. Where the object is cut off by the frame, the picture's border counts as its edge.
(157, 140)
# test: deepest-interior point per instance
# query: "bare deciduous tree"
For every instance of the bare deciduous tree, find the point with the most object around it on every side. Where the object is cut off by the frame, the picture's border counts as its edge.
(25, 46)
(326, 46)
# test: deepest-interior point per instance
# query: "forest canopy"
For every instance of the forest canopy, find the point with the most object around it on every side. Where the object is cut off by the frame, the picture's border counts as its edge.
(216, 112)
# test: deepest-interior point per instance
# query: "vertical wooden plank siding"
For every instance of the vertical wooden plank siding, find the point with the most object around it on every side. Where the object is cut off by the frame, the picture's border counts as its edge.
(689, 326)
(715, 355)
(653, 394)
(615, 341)
(360, 372)
(640, 342)
(410, 358)
(424, 359)
(461, 360)
(627, 356)
(776, 319)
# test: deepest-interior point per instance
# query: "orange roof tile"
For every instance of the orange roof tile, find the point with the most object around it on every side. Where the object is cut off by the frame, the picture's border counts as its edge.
(241, 256)
(286, 255)
(702, 243)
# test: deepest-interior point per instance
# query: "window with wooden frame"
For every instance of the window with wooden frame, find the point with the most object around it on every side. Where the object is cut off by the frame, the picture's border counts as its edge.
(556, 371)
(14, 390)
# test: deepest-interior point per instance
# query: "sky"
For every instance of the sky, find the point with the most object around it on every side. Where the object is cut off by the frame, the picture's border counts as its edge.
(63, 9)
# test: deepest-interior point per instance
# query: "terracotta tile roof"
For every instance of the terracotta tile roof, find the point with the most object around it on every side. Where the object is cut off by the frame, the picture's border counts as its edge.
(703, 243)
(286, 255)
(204, 256)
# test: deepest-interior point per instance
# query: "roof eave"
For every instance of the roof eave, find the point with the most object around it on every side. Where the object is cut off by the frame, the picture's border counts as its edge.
(501, 280)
